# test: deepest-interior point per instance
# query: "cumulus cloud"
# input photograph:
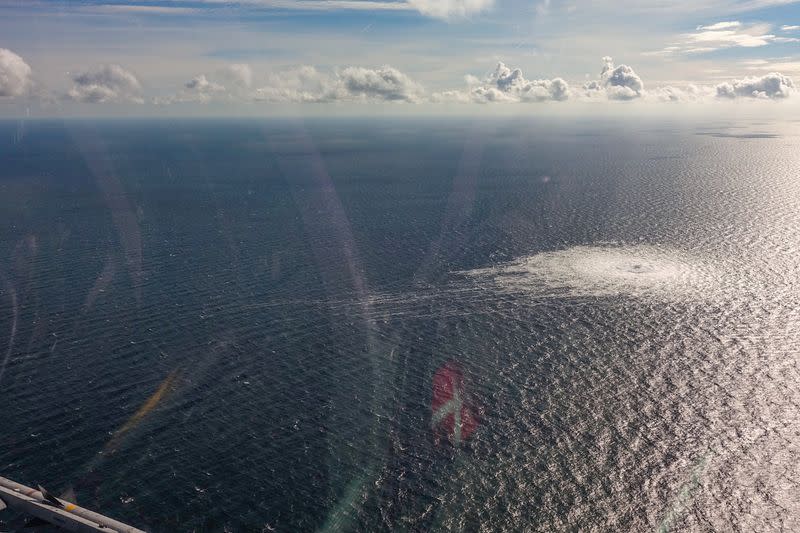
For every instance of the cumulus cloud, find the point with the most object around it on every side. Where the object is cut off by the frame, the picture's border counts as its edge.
(615, 83)
(201, 84)
(621, 82)
(298, 84)
(448, 9)
(512, 82)
(507, 85)
(109, 83)
(15, 74)
(307, 84)
(768, 87)
(200, 89)
(385, 83)
(228, 83)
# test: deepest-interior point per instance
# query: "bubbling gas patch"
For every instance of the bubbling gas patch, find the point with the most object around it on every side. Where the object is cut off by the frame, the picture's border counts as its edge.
(603, 270)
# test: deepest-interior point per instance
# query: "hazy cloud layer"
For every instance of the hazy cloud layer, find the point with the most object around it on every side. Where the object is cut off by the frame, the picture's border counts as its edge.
(307, 84)
(15, 74)
(108, 83)
(769, 87)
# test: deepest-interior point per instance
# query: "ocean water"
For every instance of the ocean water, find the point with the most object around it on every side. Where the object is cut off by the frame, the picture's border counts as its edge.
(236, 325)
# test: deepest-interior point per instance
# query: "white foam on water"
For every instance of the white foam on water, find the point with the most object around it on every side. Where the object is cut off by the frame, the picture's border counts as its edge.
(602, 271)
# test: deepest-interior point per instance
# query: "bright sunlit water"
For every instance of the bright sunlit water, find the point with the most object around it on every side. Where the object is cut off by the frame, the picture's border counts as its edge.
(218, 325)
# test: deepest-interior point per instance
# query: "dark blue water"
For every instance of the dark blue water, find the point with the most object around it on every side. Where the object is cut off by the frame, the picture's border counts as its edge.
(234, 326)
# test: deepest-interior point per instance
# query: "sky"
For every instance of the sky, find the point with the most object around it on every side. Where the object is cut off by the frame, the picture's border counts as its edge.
(195, 57)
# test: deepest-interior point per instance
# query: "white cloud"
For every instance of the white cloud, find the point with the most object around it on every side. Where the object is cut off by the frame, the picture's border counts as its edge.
(768, 87)
(721, 26)
(240, 74)
(721, 35)
(298, 84)
(454, 96)
(200, 89)
(109, 83)
(385, 83)
(690, 93)
(486, 95)
(201, 84)
(747, 37)
(790, 28)
(621, 82)
(514, 83)
(616, 83)
(229, 83)
(448, 9)
(471, 80)
(307, 84)
(507, 85)
(15, 74)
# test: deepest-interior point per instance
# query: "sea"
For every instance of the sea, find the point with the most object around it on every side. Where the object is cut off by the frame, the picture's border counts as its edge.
(224, 325)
